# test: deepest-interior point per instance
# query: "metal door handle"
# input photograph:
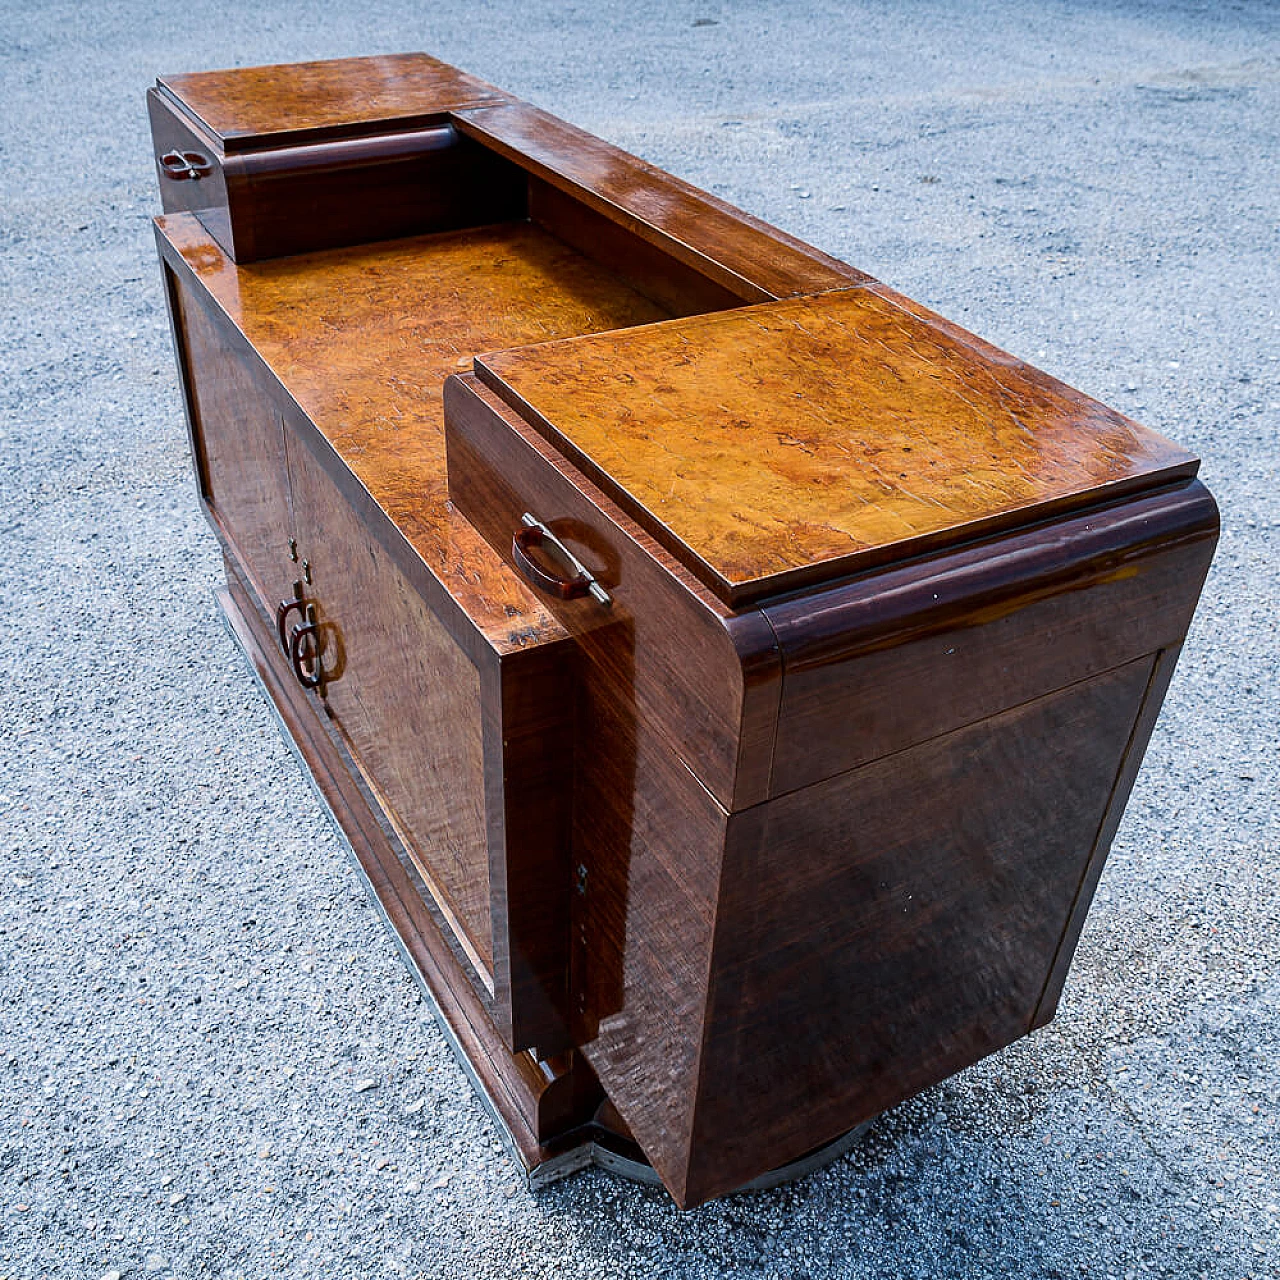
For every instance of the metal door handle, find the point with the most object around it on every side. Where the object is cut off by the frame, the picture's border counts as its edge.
(582, 582)
(304, 632)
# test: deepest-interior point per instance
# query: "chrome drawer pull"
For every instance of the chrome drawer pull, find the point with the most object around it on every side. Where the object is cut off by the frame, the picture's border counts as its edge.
(582, 583)
(182, 166)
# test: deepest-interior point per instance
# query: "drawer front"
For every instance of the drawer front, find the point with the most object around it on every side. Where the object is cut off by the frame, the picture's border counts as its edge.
(189, 171)
(896, 658)
(470, 763)
(702, 679)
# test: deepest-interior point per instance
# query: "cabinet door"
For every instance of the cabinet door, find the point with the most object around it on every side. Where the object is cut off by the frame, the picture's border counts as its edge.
(238, 440)
(449, 746)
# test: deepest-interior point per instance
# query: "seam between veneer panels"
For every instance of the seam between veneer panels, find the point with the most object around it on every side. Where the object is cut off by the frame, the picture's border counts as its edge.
(968, 724)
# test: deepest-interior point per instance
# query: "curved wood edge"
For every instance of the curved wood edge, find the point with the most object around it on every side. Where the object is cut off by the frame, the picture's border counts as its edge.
(476, 633)
(756, 262)
(885, 607)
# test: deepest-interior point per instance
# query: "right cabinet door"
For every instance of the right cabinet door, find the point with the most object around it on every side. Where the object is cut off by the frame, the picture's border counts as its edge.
(465, 751)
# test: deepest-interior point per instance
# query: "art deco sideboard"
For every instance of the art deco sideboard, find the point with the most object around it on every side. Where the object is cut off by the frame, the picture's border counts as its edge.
(728, 673)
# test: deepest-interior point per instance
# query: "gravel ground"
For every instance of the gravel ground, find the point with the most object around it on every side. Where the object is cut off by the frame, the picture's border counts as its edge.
(194, 991)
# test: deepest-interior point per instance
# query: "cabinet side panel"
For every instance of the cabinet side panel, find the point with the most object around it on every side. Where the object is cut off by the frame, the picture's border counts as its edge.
(896, 658)
(648, 841)
(886, 928)
(407, 699)
(239, 432)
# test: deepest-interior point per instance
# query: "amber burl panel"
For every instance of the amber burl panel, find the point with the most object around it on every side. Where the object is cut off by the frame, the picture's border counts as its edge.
(294, 102)
(778, 445)
(363, 338)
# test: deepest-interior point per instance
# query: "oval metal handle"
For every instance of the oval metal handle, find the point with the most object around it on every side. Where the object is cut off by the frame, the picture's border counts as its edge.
(303, 632)
(182, 166)
(536, 534)
(283, 610)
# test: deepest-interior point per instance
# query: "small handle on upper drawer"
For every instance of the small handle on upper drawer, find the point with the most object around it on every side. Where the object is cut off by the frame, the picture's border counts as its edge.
(536, 534)
(184, 166)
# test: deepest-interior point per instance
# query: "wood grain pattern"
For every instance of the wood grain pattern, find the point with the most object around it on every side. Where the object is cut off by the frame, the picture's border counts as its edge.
(892, 658)
(290, 199)
(750, 259)
(239, 436)
(206, 197)
(758, 867)
(678, 653)
(894, 951)
(363, 338)
(546, 1106)
(776, 446)
(408, 701)
(295, 102)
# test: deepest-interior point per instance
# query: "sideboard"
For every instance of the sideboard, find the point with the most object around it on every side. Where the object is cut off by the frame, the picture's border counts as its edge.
(728, 674)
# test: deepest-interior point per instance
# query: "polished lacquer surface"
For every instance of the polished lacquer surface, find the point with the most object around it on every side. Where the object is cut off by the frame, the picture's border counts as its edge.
(297, 101)
(806, 813)
(363, 338)
(772, 446)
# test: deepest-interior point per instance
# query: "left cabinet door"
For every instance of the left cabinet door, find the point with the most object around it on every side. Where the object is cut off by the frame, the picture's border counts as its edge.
(239, 448)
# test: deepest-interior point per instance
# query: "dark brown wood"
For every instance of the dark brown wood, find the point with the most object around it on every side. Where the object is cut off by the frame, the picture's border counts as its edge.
(543, 1104)
(327, 194)
(1157, 687)
(239, 436)
(899, 656)
(679, 289)
(803, 809)
(898, 922)
(440, 731)
(407, 701)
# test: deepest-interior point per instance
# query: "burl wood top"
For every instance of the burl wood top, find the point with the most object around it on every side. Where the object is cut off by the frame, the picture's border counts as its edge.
(302, 101)
(363, 339)
(777, 445)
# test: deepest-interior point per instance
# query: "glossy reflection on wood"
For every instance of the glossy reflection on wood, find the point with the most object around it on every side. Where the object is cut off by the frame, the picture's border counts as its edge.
(294, 102)
(809, 814)
(363, 340)
(780, 445)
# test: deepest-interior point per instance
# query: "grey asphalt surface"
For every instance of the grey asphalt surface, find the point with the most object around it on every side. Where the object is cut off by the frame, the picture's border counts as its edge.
(193, 987)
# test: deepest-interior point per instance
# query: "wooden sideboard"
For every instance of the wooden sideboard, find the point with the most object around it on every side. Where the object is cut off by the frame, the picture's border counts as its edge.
(729, 674)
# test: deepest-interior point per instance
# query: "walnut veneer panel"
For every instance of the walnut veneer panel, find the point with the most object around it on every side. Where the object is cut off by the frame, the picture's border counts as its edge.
(778, 445)
(251, 106)
(749, 258)
(363, 338)
(407, 700)
(899, 921)
(238, 438)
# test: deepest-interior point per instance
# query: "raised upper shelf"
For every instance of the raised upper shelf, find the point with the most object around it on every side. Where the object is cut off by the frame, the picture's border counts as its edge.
(307, 101)
(779, 445)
